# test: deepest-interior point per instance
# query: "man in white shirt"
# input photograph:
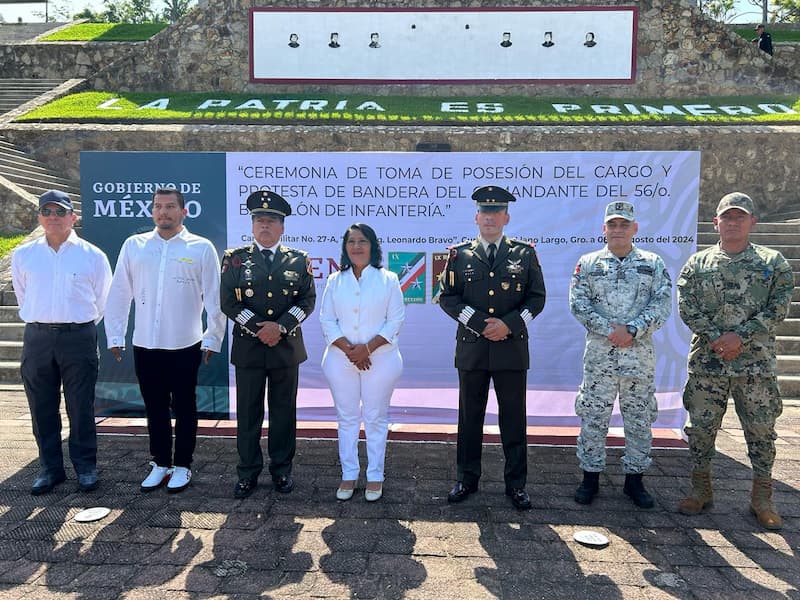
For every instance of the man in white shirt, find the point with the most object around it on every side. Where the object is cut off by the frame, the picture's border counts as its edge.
(61, 282)
(171, 275)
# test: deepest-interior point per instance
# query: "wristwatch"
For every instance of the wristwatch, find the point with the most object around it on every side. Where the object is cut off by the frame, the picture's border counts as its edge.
(632, 330)
(282, 329)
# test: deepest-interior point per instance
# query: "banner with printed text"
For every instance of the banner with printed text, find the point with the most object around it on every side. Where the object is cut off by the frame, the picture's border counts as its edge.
(419, 204)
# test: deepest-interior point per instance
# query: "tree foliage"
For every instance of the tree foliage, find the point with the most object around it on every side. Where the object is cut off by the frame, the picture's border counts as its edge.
(142, 11)
(764, 6)
(788, 10)
(719, 10)
(175, 9)
(56, 10)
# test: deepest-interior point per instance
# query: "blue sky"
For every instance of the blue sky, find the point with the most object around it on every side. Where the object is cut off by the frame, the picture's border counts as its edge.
(11, 12)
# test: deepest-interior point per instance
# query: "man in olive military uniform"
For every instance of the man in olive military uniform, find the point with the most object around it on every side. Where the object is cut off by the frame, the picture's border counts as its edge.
(732, 296)
(493, 287)
(267, 290)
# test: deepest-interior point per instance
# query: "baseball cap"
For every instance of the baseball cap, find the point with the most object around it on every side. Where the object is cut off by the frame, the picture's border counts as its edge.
(619, 210)
(55, 197)
(736, 200)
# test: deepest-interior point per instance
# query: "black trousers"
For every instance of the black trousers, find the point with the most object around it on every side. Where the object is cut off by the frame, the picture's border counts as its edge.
(473, 394)
(52, 356)
(168, 380)
(281, 387)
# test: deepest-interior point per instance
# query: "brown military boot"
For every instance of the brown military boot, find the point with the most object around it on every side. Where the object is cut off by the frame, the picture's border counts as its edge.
(702, 495)
(761, 504)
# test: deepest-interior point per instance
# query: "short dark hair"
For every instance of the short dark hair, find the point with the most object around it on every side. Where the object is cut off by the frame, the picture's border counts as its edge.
(375, 252)
(168, 191)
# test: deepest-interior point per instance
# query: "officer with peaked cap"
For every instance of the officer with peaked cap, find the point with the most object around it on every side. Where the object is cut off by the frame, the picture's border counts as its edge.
(621, 294)
(268, 290)
(493, 287)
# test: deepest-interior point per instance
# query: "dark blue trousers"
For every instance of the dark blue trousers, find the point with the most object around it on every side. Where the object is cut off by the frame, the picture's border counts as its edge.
(54, 356)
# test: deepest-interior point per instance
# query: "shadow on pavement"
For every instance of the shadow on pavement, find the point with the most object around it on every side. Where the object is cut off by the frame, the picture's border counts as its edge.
(411, 544)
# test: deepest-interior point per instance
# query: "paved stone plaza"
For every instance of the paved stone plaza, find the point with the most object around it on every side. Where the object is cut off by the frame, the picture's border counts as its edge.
(204, 544)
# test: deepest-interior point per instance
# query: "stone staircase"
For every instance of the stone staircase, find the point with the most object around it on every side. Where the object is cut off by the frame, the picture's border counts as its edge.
(33, 176)
(14, 92)
(14, 33)
(11, 329)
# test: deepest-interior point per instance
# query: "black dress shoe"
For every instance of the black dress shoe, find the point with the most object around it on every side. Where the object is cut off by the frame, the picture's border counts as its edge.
(244, 488)
(460, 492)
(45, 482)
(519, 498)
(88, 482)
(284, 484)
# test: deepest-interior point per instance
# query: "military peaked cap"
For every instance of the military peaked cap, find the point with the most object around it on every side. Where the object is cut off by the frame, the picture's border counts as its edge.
(264, 202)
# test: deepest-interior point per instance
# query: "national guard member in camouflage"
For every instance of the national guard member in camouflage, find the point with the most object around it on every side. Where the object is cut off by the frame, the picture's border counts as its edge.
(732, 296)
(493, 288)
(267, 290)
(621, 295)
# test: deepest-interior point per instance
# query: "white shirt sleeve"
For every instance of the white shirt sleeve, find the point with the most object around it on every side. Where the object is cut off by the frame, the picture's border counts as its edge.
(215, 319)
(102, 284)
(118, 305)
(18, 278)
(395, 309)
(327, 314)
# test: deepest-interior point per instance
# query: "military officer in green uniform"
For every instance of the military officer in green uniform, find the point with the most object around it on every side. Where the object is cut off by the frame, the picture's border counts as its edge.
(267, 290)
(493, 287)
(733, 296)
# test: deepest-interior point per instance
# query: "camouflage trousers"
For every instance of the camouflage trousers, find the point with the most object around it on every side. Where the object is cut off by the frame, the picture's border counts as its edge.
(758, 404)
(594, 404)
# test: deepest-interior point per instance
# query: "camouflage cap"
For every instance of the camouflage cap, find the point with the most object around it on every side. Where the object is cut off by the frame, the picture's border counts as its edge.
(619, 210)
(736, 200)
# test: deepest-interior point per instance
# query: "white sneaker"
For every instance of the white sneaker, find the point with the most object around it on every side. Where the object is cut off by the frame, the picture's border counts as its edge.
(181, 476)
(158, 477)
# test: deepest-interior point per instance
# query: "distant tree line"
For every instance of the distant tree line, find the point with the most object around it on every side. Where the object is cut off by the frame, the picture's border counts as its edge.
(772, 11)
(124, 11)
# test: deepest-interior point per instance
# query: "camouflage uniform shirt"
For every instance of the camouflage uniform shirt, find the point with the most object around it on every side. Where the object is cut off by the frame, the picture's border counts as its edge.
(635, 290)
(747, 293)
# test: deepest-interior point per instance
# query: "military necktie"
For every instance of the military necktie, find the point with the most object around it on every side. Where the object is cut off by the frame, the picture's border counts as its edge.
(492, 248)
(267, 254)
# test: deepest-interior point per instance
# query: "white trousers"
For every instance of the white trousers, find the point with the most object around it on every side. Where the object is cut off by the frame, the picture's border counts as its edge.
(368, 393)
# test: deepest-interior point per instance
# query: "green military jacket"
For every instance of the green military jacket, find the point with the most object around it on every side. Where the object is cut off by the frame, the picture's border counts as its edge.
(252, 292)
(512, 289)
(747, 293)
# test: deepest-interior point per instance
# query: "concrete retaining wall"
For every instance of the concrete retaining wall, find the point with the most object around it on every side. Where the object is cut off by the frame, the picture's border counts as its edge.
(759, 160)
(59, 60)
(679, 53)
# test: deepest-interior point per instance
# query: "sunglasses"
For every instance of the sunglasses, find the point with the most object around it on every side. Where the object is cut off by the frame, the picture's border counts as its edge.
(59, 212)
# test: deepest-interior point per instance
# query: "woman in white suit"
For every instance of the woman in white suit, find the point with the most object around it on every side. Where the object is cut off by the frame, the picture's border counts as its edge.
(362, 311)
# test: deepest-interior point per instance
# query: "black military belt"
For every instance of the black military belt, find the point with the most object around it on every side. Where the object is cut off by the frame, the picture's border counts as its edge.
(61, 326)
